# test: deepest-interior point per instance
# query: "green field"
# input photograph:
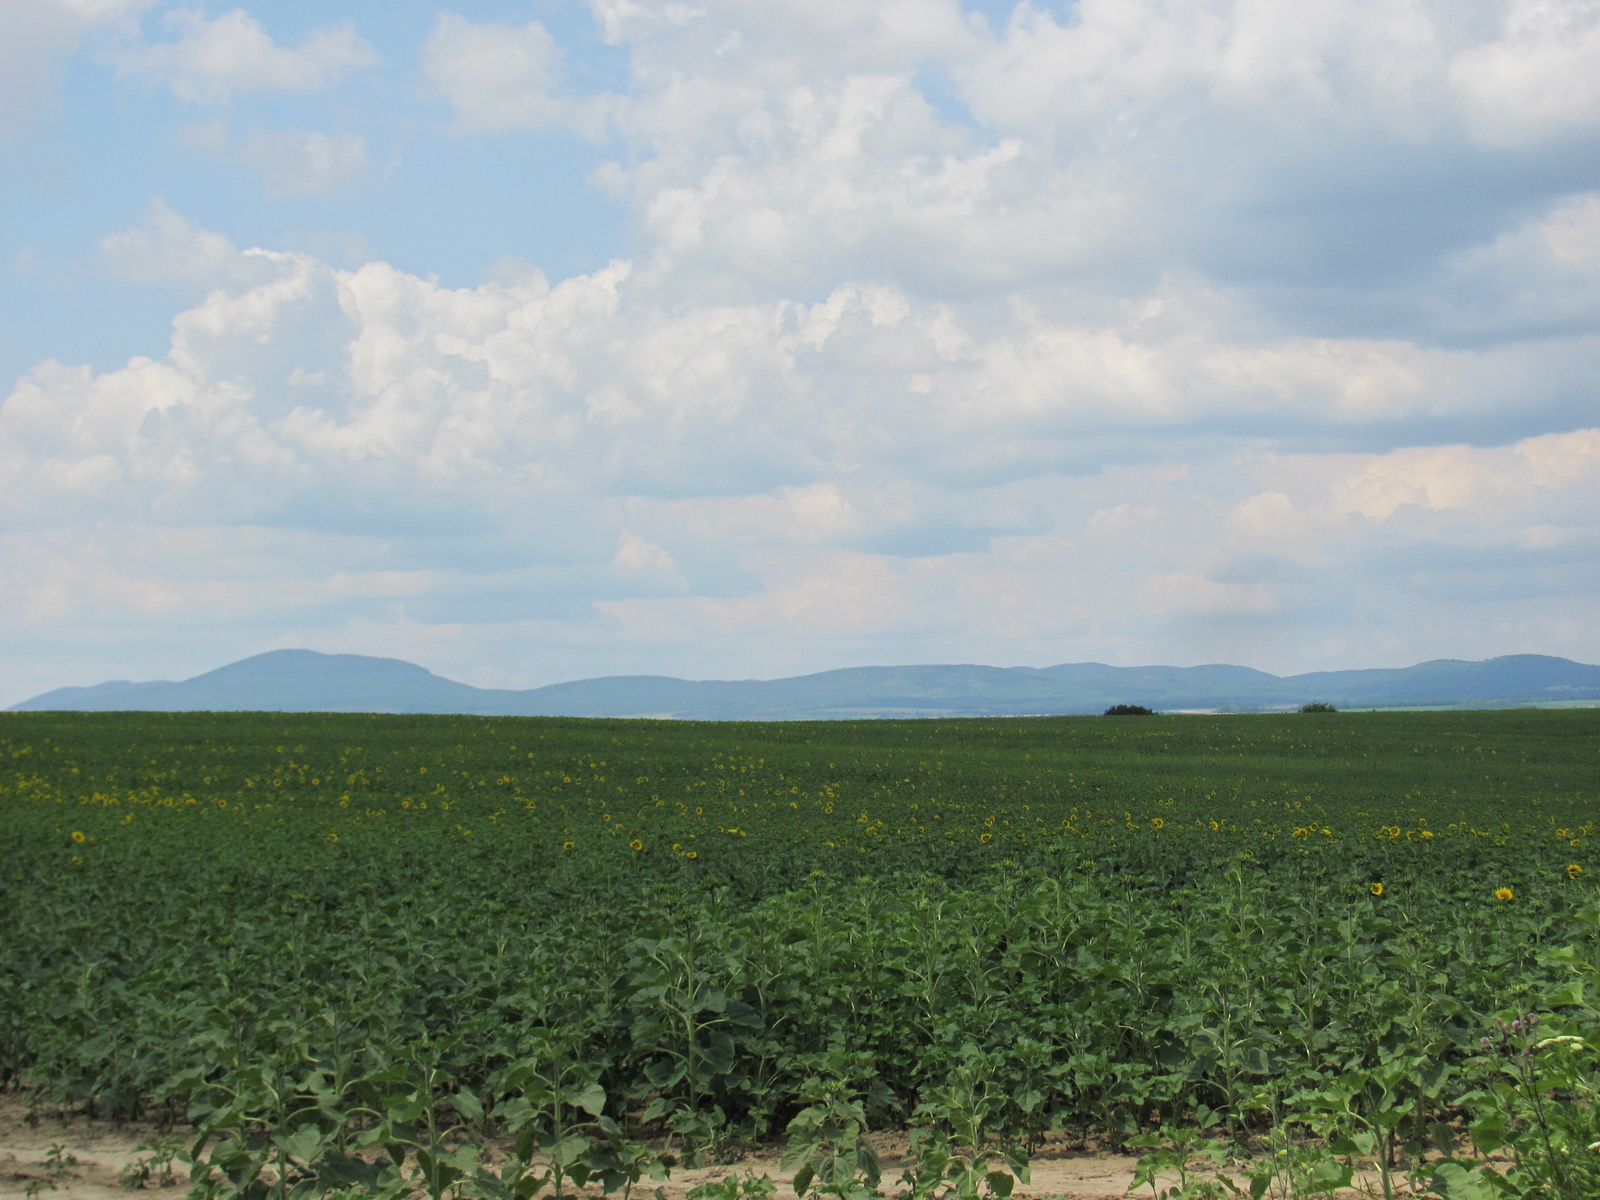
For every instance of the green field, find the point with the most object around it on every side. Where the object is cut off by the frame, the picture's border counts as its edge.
(311, 938)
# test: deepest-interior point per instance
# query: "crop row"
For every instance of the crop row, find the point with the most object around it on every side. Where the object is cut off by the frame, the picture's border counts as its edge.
(268, 939)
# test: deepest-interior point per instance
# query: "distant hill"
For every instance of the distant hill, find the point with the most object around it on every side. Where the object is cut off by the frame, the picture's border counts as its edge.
(305, 681)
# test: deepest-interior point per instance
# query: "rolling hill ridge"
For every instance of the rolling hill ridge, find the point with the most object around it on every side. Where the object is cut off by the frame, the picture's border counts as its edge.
(308, 681)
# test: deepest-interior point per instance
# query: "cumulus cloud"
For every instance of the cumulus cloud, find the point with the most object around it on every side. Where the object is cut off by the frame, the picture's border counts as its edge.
(212, 59)
(502, 77)
(1152, 330)
(1309, 157)
(794, 484)
(1572, 232)
(1538, 76)
(775, 150)
(166, 248)
(292, 162)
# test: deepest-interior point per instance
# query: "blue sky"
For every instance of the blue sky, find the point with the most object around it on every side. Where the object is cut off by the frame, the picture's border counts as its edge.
(535, 341)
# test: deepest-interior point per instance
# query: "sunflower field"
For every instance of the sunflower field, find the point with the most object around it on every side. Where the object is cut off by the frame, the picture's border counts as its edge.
(461, 956)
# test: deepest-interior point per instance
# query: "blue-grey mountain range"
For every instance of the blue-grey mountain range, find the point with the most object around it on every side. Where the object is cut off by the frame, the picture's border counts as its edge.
(306, 681)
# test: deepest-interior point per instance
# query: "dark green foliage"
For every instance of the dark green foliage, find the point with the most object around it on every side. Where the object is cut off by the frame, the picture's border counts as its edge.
(327, 937)
(1129, 710)
(1318, 706)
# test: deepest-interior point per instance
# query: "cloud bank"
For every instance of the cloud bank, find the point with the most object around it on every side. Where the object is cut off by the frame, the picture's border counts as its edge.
(1156, 332)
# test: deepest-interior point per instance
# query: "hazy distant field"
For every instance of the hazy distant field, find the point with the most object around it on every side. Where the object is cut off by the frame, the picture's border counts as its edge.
(762, 805)
(1093, 921)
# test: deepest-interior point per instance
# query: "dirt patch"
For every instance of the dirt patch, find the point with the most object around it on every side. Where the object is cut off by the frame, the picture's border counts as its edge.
(91, 1158)
(51, 1155)
(1056, 1172)
(58, 1157)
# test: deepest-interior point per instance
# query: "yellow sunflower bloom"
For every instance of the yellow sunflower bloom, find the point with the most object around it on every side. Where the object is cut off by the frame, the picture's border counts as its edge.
(1376, 889)
(77, 836)
(636, 844)
(1504, 894)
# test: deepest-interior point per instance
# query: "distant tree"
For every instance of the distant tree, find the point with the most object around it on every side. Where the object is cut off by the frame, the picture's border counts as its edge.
(1130, 710)
(1318, 706)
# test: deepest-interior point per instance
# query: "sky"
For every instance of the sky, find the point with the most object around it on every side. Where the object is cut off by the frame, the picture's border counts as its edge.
(729, 338)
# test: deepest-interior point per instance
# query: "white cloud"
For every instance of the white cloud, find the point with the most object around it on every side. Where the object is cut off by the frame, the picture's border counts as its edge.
(1190, 592)
(1152, 330)
(760, 486)
(93, 12)
(1493, 493)
(782, 149)
(211, 60)
(1431, 478)
(1267, 517)
(292, 162)
(595, 382)
(500, 77)
(1540, 76)
(1572, 233)
(1120, 66)
(166, 248)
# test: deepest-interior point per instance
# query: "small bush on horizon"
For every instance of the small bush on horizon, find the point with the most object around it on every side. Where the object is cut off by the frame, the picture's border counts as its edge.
(1318, 706)
(1130, 710)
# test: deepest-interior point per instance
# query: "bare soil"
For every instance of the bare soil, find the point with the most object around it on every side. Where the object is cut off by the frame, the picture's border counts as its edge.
(93, 1156)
